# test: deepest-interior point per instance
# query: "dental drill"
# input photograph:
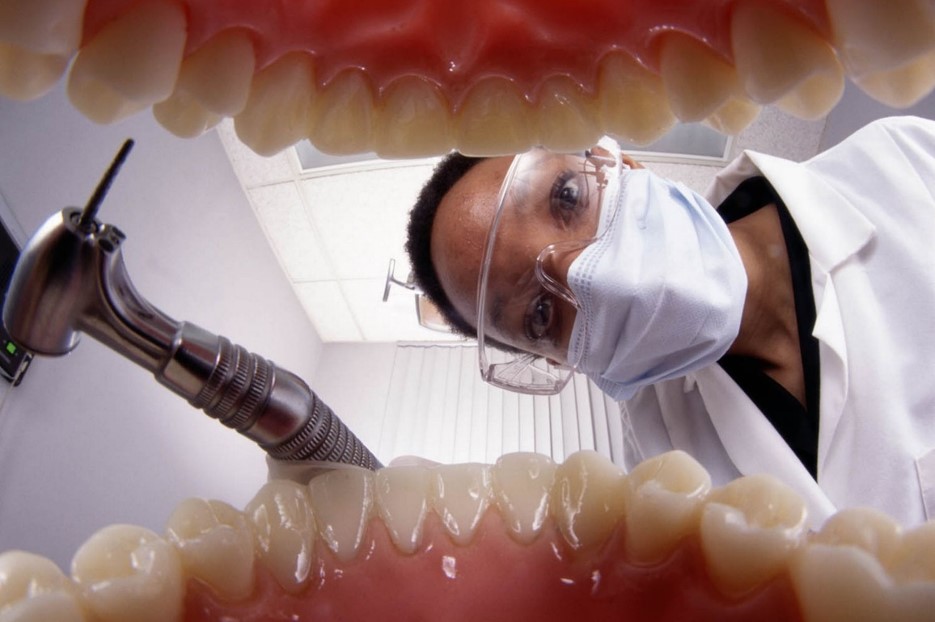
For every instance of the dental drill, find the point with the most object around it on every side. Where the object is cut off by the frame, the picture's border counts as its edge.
(71, 279)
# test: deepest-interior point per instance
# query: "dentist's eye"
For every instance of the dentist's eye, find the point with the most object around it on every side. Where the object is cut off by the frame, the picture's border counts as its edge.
(567, 195)
(540, 315)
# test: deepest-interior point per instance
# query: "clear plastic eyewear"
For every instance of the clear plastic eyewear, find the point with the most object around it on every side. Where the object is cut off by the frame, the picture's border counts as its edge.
(547, 212)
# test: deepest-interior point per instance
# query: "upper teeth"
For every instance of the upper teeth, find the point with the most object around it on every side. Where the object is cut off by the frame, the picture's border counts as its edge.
(705, 62)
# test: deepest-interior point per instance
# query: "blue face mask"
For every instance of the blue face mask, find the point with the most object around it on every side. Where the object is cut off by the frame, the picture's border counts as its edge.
(661, 290)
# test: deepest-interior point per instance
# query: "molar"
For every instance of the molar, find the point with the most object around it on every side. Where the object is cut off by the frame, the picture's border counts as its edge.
(587, 498)
(33, 589)
(279, 106)
(285, 532)
(401, 494)
(129, 573)
(780, 58)
(343, 119)
(567, 116)
(868, 529)
(132, 63)
(697, 81)
(663, 500)
(494, 119)
(521, 484)
(342, 500)
(749, 528)
(633, 102)
(849, 584)
(461, 494)
(215, 544)
(413, 120)
(913, 561)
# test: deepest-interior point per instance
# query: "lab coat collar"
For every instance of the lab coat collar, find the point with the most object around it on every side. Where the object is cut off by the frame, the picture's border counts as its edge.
(820, 212)
(834, 231)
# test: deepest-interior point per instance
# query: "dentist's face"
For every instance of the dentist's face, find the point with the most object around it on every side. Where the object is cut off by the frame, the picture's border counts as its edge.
(553, 201)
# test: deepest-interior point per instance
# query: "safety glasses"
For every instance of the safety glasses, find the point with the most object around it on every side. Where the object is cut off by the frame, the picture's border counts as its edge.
(547, 212)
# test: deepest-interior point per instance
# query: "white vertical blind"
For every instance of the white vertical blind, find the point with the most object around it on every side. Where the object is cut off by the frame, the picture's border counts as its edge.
(439, 408)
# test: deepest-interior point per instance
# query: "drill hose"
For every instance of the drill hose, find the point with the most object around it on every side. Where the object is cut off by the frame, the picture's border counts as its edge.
(276, 409)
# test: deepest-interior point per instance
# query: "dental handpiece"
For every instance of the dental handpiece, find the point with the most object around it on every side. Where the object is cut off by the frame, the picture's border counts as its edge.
(71, 278)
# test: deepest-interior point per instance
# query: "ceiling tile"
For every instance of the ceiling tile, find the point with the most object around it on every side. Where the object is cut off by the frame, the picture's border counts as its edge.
(330, 314)
(284, 219)
(362, 216)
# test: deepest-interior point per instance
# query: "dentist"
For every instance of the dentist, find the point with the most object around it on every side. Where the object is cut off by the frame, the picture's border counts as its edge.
(781, 324)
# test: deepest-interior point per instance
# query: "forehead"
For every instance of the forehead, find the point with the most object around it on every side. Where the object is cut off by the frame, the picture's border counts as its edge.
(460, 232)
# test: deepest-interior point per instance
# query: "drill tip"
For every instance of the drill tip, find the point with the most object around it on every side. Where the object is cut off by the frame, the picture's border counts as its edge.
(94, 203)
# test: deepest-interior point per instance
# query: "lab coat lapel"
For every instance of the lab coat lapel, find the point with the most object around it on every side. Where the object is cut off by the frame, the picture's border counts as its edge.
(834, 231)
(752, 442)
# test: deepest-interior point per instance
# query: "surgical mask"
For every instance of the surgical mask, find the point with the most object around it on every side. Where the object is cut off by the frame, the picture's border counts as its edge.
(660, 292)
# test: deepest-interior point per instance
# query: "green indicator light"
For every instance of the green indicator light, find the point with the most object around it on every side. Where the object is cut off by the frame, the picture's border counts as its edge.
(11, 347)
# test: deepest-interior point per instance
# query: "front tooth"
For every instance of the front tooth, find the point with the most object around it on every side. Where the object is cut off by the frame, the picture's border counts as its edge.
(343, 499)
(697, 81)
(849, 584)
(461, 495)
(521, 485)
(749, 528)
(131, 64)
(401, 495)
(26, 75)
(567, 116)
(184, 116)
(633, 103)
(285, 532)
(780, 58)
(280, 105)
(874, 36)
(413, 120)
(663, 500)
(213, 82)
(215, 544)
(587, 499)
(33, 589)
(47, 27)
(219, 73)
(734, 115)
(129, 573)
(903, 86)
(494, 119)
(342, 122)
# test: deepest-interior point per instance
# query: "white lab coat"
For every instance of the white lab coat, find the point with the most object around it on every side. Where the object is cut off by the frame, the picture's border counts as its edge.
(866, 210)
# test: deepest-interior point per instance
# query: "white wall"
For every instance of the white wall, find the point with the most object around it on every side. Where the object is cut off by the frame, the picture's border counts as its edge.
(89, 439)
(354, 380)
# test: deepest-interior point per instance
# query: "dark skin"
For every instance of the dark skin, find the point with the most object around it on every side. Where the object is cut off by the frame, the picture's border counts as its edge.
(768, 330)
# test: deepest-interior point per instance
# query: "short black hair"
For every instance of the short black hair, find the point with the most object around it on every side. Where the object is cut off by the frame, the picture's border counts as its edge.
(447, 173)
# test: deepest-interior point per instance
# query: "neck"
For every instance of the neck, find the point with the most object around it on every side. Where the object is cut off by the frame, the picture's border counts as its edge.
(768, 330)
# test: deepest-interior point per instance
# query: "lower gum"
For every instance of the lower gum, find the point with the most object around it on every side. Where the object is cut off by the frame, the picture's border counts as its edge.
(496, 578)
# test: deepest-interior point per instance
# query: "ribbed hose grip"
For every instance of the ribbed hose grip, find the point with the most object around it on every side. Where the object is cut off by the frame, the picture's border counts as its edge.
(277, 409)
